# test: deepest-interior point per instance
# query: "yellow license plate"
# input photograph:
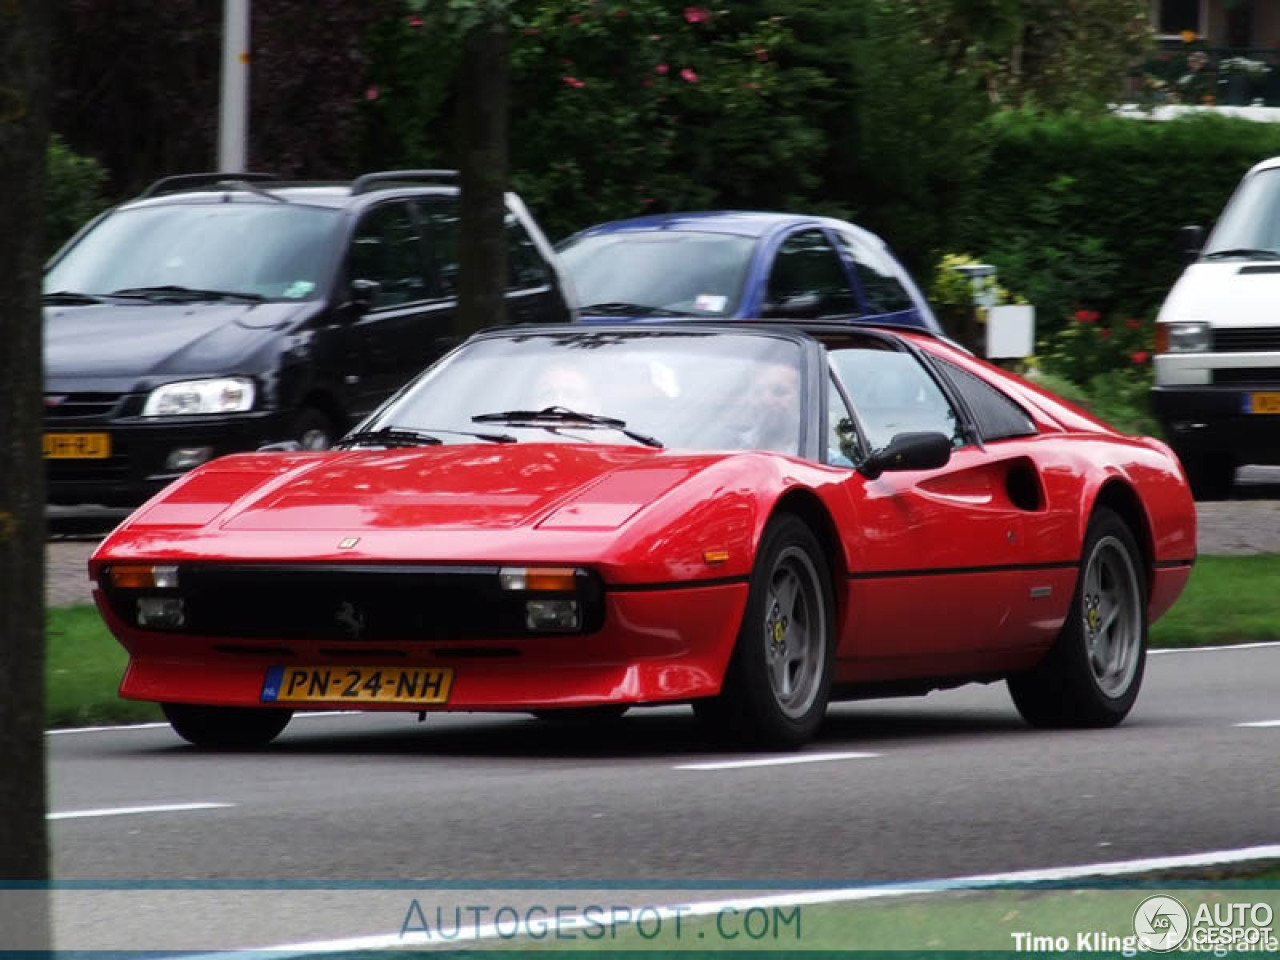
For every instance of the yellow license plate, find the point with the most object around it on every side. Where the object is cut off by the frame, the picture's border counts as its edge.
(357, 685)
(1264, 403)
(77, 446)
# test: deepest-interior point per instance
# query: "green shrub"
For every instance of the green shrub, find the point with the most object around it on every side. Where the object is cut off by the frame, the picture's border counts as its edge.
(1078, 209)
(73, 192)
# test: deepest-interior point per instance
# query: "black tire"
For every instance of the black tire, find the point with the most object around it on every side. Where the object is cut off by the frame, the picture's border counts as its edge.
(1091, 675)
(606, 713)
(226, 727)
(314, 429)
(754, 706)
(1211, 475)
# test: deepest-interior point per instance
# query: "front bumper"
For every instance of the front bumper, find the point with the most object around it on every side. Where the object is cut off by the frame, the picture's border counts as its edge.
(655, 646)
(136, 468)
(1214, 419)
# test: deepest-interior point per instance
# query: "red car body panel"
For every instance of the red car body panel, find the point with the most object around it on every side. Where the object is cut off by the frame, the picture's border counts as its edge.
(966, 571)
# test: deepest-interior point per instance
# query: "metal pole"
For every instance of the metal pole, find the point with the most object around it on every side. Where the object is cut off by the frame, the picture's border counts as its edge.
(233, 118)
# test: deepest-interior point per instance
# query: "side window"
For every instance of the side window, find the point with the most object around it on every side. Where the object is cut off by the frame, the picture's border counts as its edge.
(525, 266)
(844, 448)
(997, 415)
(880, 285)
(441, 217)
(808, 280)
(387, 249)
(892, 393)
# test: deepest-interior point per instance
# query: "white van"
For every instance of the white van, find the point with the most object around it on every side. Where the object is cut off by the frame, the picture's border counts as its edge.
(1217, 363)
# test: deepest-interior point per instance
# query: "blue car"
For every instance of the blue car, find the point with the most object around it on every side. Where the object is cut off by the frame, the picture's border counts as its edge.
(729, 264)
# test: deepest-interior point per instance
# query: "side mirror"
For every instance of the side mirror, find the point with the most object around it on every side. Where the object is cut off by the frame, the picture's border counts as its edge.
(908, 451)
(364, 293)
(1192, 240)
(802, 306)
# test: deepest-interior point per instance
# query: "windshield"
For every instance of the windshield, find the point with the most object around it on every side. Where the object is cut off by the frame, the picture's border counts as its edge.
(1250, 225)
(696, 274)
(684, 390)
(276, 251)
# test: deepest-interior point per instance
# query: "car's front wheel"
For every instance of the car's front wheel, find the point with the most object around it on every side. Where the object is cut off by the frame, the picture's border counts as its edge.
(226, 727)
(778, 682)
(1091, 675)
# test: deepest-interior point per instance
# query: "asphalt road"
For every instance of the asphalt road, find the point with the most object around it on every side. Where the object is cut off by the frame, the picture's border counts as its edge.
(955, 786)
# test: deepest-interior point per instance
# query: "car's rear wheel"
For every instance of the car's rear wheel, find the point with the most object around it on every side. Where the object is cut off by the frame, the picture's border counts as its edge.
(313, 429)
(1092, 674)
(226, 727)
(778, 682)
(606, 713)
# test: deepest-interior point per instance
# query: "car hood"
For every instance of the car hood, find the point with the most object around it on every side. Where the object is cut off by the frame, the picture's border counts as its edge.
(456, 487)
(136, 341)
(1226, 294)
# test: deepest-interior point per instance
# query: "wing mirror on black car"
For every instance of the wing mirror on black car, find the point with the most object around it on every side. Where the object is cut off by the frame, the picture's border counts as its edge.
(364, 293)
(908, 451)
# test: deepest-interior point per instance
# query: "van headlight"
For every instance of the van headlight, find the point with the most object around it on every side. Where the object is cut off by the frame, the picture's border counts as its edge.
(1183, 337)
(225, 395)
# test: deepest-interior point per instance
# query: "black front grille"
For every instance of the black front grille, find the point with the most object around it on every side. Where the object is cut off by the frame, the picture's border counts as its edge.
(354, 605)
(80, 406)
(1247, 375)
(1246, 339)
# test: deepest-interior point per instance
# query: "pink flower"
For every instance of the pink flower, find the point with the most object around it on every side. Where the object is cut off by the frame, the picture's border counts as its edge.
(574, 82)
(688, 75)
(1133, 324)
(576, 20)
(762, 54)
(415, 22)
(661, 69)
(647, 82)
(1139, 356)
(371, 93)
(1106, 334)
(696, 14)
(1087, 316)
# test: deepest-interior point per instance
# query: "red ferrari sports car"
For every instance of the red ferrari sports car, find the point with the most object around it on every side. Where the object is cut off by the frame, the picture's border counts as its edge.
(754, 518)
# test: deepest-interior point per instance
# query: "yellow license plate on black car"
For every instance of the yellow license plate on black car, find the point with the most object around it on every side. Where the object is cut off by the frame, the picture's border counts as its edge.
(1264, 402)
(418, 685)
(77, 446)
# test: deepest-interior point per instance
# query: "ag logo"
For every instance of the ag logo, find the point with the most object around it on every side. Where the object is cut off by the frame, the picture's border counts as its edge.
(1161, 923)
(350, 619)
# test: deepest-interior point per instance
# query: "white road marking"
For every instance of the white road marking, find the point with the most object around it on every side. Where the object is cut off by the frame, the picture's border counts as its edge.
(1229, 646)
(390, 941)
(126, 811)
(1260, 723)
(308, 715)
(773, 761)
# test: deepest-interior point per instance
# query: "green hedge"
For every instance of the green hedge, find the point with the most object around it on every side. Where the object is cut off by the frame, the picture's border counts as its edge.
(1083, 211)
(73, 193)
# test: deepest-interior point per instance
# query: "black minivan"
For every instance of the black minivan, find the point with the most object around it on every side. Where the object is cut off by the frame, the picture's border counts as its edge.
(222, 312)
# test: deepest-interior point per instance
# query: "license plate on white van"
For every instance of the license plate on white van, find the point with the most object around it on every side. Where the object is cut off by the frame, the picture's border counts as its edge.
(1262, 402)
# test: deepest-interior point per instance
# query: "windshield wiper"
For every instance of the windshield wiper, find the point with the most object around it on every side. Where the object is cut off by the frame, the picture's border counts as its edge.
(70, 297)
(1241, 253)
(176, 292)
(623, 309)
(389, 437)
(564, 416)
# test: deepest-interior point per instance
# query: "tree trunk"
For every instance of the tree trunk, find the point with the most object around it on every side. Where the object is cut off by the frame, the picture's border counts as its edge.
(24, 71)
(482, 123)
